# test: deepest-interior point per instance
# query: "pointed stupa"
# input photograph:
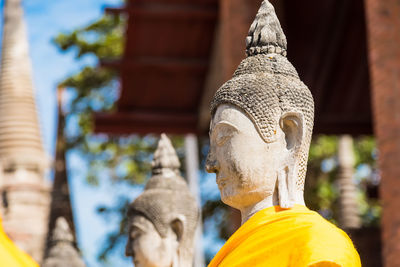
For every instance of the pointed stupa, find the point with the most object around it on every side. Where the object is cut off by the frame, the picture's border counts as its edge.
(60, 195)
(20, 138)
(25, 193)
(266, 34)
(62, 252)
(165, 162)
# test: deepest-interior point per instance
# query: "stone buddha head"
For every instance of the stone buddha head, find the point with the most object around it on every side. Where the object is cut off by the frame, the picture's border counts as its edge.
(261, 126)
(163, 219)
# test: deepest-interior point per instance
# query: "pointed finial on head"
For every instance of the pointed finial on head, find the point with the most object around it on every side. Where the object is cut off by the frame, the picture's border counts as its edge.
(266, 35)
(165, 160)
(62, 251)
(62, 232)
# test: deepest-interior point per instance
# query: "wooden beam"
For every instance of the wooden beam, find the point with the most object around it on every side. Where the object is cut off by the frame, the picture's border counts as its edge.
(167, 11)
(354, 129)
(326, 58)
(145, 123)
(175, 64)
(173, 12)
(178, 64)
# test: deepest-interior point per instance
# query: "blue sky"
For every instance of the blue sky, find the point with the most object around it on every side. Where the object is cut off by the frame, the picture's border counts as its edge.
(45, 19)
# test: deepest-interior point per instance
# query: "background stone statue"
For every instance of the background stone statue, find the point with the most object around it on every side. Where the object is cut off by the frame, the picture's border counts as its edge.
(62, 251)
(260, 134)
(163, 219)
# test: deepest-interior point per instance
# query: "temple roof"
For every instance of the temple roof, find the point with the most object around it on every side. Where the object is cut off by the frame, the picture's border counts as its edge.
(168, 46)
(178, 53)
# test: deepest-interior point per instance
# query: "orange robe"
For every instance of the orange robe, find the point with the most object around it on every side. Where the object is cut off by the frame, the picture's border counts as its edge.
(294, 237)
(11, 255)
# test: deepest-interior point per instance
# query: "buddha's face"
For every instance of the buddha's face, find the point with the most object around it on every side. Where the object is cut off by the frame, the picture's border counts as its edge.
(245, 165)
(147, 247)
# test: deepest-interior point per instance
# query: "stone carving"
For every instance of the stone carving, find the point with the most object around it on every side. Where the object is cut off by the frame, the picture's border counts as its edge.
(265, 96)
(164, 217)
(62, 252)
(260, 133)
(265, 34)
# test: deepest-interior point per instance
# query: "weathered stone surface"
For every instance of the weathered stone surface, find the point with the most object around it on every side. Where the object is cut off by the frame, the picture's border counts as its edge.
(25, 194)
(267, 88)
(20, 139)
(265, 34)
(164, 217)
(62, 252)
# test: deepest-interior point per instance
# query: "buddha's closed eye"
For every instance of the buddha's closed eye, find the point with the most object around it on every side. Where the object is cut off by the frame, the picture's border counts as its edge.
(223, 132)
(135, 232)
(222, 139)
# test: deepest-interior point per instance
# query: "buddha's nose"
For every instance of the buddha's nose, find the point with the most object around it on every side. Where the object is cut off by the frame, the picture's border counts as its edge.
(211, 163)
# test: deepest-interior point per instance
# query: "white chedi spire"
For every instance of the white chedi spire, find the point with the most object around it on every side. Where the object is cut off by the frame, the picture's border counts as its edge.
(25, 193)
(20, 139)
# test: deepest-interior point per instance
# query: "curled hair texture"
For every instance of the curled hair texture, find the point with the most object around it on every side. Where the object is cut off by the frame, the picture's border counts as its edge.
(266, 85)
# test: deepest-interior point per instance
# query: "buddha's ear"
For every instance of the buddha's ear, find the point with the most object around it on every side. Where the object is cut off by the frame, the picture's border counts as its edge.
(285, 189)
(177, 227)
(292, 124)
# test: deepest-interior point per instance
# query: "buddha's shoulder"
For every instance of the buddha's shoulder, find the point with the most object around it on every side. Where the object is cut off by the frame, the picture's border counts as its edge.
(319, 228)
(326, 242)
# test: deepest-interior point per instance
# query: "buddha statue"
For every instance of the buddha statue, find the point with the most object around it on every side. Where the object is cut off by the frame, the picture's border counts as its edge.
(163, 219)
(62, 251)
(260, 133)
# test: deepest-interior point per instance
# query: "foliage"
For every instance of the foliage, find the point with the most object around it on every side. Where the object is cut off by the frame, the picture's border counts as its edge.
(321, 191)
(95, 89)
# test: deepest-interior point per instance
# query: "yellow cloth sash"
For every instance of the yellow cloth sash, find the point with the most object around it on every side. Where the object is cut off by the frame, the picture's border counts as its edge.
(294, 237)
(11, 255)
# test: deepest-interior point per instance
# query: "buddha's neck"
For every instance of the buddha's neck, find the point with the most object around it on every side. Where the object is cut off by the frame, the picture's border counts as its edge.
(270, 201)
(249, 211)
(184, 259)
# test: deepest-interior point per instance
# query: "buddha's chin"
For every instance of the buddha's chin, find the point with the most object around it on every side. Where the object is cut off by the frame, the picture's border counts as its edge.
(230, 198)
(240, 200)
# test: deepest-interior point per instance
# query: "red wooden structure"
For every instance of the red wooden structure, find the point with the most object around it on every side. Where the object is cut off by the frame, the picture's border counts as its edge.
(179, 52)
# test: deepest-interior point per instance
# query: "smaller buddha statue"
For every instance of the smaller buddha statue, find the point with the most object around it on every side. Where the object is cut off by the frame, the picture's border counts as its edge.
(62, 251)
(163, 219)
(260, 134)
